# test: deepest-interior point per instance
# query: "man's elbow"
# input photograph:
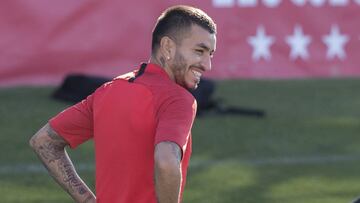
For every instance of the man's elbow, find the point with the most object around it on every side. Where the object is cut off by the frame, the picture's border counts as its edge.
(32, 142)
(168, 166)
(39, 138)
(35, 141)
(167, 158)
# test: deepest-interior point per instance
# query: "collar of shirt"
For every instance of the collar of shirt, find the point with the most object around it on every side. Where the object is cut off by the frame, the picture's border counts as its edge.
(154, 68)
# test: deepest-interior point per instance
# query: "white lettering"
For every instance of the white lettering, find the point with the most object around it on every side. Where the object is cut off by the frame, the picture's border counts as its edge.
(247, 3)
(223, 3)
(271, 3)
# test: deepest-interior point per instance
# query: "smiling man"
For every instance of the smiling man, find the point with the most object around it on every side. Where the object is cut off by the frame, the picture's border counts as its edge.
(140, 122)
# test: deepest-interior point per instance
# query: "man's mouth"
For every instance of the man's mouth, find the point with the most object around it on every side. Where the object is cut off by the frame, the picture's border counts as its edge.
(197, 74)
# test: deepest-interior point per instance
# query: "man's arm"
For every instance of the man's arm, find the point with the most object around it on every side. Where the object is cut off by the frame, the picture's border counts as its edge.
(50, 148)
(167, 172)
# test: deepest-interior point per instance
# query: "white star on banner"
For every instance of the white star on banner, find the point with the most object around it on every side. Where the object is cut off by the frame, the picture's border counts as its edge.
(261, 44)
(335, 43)
(298, 43)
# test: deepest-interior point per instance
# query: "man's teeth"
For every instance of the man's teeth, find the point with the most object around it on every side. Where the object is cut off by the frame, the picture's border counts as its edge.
(196, 73)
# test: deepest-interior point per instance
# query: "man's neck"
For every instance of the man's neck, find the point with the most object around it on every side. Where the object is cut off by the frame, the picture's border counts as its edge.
(160, 61)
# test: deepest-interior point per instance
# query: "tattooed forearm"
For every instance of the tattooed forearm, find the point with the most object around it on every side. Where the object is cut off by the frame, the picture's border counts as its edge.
(50, 152)
(50, 148)
(70, 177)
(89, 199)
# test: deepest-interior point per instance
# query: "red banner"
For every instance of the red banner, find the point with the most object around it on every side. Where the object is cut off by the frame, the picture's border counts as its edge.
(41, 41)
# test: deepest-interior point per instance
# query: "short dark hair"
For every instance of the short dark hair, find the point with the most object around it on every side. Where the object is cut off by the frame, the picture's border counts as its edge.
(177, 19)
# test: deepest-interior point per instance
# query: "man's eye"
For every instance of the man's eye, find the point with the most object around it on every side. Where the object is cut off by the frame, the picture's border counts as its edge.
(199, 51)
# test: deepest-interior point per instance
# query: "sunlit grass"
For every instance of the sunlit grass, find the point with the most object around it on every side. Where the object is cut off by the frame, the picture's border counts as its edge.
(306, 150)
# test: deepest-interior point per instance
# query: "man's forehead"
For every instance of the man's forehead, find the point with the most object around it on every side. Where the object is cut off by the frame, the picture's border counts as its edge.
(202, 37)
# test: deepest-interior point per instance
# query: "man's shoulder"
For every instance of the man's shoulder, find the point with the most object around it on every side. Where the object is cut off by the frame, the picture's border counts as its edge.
(173, 90)
(162, 88)
(175, 95)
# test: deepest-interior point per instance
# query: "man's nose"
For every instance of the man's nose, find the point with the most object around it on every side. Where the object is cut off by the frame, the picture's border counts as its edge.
(206, 63)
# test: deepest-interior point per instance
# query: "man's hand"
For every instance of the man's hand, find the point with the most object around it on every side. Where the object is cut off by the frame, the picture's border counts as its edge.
(50, 148)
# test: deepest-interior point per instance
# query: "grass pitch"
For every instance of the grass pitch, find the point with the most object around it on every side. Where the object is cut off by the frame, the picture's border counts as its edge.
(306, 150)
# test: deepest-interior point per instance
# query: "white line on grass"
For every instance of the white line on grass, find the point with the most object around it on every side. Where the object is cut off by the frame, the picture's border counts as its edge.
(198, 163)
(306, 160)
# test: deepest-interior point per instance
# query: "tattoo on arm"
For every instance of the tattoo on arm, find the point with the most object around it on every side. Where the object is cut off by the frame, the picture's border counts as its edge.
(69, 176)
(52, 150)
(89, 198)
(55, 158)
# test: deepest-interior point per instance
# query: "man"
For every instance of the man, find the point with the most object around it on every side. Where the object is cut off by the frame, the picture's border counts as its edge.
(140, 121)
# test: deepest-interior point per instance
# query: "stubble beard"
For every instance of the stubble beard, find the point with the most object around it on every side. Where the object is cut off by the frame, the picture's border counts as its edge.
(179, 70)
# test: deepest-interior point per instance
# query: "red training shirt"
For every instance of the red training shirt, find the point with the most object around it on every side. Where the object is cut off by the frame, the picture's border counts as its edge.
(126, 121)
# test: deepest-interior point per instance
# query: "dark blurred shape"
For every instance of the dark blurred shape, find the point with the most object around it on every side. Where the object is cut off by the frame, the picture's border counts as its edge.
(203, 95)
(356, 200)
(77, 87)
(208, 105)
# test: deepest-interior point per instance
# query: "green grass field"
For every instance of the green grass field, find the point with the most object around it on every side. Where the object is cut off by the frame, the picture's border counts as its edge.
(307, 149)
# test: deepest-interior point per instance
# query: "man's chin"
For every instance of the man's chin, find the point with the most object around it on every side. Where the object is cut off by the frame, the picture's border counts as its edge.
(192, 86)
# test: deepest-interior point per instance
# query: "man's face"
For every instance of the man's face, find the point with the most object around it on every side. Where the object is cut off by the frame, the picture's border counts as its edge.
(193, 57)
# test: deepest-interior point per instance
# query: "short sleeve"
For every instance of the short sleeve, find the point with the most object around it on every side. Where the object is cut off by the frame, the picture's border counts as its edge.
(175, 121)
(75, 124)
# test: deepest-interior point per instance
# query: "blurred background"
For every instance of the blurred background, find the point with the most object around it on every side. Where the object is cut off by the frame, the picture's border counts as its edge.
(297, 61)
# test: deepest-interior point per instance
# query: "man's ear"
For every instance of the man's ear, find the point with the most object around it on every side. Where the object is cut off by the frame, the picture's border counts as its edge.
(167, 47)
